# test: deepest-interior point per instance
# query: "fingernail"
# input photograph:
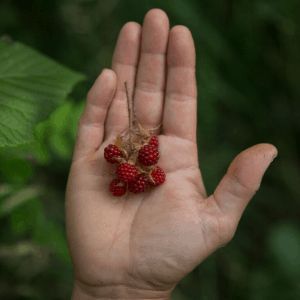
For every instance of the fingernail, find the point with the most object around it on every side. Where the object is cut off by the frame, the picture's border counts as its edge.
(274, 157)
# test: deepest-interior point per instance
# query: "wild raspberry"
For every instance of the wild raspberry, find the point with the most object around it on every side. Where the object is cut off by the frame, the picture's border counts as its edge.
(138, 184)
(148, 156)
(126, 172)
(158, 176)
(110, 152)
(116, 187)
(153, 142)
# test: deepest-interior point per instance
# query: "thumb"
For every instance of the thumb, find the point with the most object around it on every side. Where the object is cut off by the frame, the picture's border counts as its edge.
(240, 183)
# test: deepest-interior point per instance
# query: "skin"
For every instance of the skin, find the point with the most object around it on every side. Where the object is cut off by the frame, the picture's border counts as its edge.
(141, 246)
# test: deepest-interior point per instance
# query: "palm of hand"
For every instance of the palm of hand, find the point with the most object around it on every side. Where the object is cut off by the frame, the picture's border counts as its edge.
(151, 240)
(139, 240)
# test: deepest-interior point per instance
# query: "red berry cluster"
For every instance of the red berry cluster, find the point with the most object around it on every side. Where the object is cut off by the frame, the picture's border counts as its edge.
(128, 174)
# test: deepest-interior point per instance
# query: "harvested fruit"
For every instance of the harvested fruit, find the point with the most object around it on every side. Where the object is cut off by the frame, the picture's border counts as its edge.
(117, 188)
(158, 176)
(126, 172)
(138, 184)
(111, 152)
(136, 170)
(153, 142)
(148, 155)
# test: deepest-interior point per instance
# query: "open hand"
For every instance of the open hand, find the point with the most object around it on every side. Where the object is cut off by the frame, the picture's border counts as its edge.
(140, 246)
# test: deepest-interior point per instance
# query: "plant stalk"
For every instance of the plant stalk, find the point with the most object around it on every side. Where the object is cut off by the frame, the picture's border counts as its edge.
(129, 102)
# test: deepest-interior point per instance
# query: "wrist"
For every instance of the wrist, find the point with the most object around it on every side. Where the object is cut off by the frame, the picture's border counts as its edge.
(117, 292)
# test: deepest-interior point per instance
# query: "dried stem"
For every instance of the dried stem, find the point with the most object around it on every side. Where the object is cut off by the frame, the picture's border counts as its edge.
(129, 101)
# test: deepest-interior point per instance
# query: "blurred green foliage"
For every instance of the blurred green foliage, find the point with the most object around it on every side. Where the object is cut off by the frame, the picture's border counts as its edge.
(32, 87)
(248, 93)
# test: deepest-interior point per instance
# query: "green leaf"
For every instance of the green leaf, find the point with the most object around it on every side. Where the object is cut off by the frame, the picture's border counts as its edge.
(60, 145)
(16, 169)
(60, 118)
(50, 234)
(19, 198)
(24, 217)
(19, 221)
(6, 189)
(58, 240)
(77, 112)
(41, 153)
(32, 86)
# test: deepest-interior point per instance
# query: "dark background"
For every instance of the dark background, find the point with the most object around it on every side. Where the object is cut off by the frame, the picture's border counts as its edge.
(248, 93)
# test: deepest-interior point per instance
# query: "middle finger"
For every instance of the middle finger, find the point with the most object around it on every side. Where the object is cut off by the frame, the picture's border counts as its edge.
(151, 75)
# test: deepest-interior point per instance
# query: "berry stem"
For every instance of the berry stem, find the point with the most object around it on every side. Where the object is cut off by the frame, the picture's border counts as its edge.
(129, 101)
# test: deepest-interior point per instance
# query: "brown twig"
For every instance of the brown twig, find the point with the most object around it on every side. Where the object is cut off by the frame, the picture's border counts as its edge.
(129, 102)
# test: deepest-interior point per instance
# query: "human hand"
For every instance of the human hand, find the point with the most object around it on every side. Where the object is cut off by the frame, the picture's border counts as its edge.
(140, 246)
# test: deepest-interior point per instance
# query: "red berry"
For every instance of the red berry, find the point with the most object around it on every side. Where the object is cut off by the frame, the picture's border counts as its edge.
(148, 156)
(138, 184)
(158, 176)
(110, 152)
(126, 172)
(153, 142)
(117, 190)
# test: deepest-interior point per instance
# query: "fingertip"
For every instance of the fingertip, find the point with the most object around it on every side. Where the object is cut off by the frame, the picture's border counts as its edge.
(182, 52)
(157, 18)
(103, 88)
(274, 151)
(156, 12)
(131, 32)
(267, 150)
(109, 78)
(180, 29)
